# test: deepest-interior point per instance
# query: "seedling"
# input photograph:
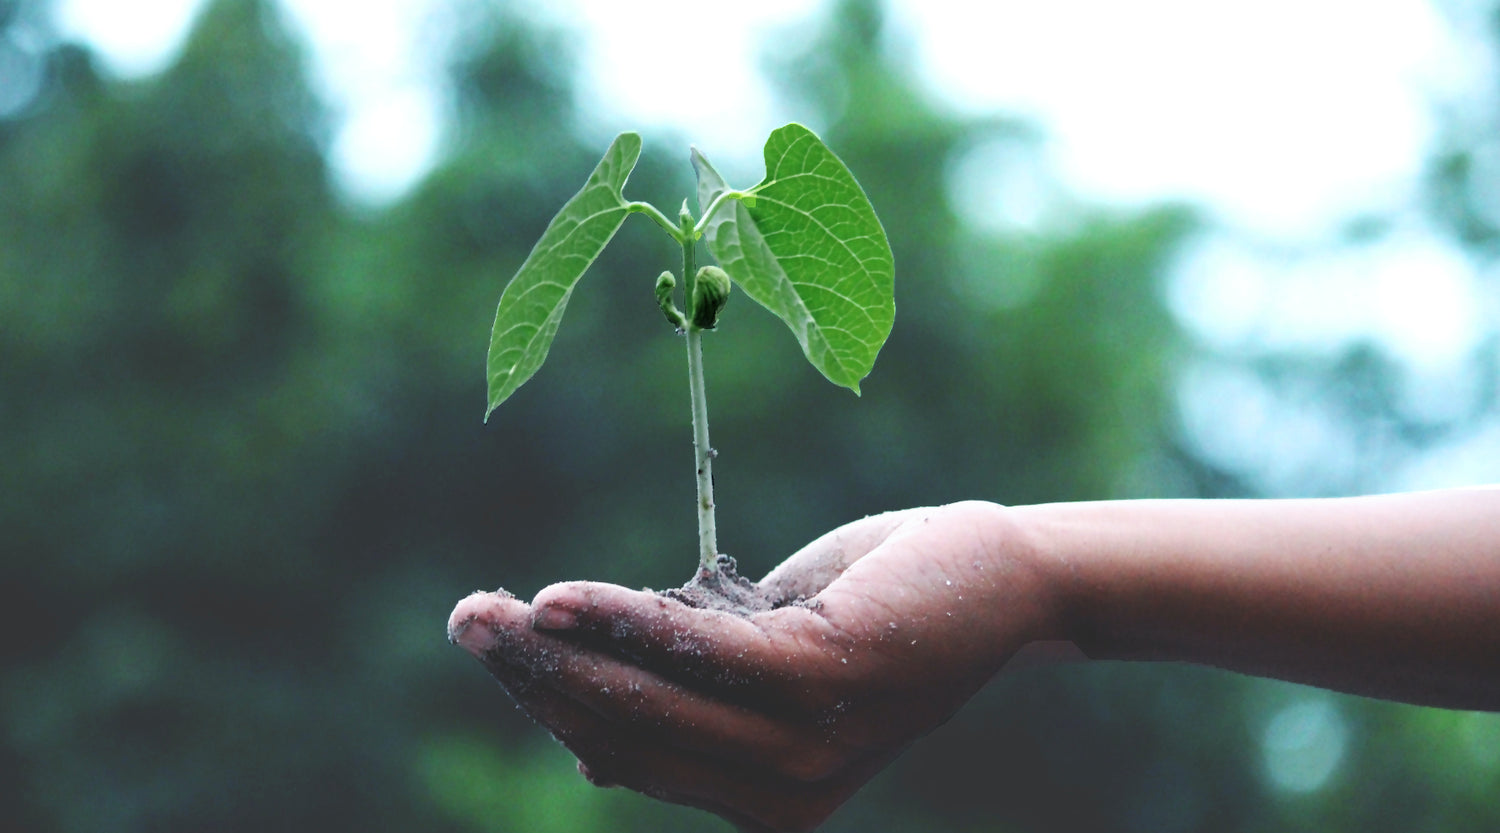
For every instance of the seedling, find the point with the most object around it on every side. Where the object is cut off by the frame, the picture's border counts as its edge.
(804, 243)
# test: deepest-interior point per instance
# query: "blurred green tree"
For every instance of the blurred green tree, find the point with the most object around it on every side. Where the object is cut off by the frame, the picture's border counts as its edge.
(245, 476)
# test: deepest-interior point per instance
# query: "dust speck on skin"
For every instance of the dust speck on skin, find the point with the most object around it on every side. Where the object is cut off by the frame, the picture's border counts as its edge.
(829, 716)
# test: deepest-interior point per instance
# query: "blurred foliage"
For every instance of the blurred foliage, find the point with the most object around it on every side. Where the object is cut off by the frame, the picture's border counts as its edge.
(245, 476)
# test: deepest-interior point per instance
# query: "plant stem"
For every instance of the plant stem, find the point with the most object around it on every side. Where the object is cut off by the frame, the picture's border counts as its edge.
(703, 453)
(708, 547)
(713, 207)
(655, 214)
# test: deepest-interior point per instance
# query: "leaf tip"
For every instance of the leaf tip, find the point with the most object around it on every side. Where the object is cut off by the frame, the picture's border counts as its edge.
(700, 163)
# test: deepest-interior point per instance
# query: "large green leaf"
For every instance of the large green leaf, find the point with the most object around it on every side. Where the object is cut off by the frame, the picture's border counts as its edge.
(533, 302)
(808, 247)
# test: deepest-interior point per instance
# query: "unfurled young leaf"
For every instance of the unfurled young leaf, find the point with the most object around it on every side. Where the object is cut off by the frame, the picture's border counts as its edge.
(808, 247)
(533, 302)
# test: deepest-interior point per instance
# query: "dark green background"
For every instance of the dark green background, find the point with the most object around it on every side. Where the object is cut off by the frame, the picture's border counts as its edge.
(243, 476)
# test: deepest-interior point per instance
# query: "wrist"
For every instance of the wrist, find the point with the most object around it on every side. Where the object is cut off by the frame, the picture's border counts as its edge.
(1026, 573)
(1048, 545)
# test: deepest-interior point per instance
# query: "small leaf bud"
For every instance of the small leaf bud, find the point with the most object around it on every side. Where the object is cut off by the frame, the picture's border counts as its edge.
(665, 283)
(710, 293)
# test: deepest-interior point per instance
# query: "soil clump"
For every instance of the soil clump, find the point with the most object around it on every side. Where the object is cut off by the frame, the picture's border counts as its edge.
(726, 590)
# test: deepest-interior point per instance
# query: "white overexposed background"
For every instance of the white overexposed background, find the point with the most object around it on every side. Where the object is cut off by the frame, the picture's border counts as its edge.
(1285, 120)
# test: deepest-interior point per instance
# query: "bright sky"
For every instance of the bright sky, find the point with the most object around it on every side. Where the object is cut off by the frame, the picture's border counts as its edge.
(1285, 118)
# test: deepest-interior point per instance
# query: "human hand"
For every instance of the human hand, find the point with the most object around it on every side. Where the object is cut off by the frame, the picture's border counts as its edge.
(774, 720)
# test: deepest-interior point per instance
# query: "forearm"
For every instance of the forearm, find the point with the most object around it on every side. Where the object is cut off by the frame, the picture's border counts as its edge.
(1392, 596)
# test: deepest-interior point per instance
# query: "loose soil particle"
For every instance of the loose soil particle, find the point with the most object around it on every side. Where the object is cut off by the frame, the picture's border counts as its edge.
(727, 591)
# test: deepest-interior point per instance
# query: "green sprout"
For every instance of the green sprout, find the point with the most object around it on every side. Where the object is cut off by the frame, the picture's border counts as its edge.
(804, 243)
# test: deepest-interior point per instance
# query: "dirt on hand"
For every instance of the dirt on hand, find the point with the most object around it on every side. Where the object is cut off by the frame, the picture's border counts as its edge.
(726, 590)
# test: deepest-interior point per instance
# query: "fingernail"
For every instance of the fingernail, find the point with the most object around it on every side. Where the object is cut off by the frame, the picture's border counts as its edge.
(554, 619)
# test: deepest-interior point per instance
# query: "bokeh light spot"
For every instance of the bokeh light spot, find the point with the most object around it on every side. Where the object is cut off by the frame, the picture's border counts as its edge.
(1303, 744)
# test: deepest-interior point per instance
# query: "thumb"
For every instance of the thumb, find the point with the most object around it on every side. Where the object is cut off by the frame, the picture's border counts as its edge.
(814, 567)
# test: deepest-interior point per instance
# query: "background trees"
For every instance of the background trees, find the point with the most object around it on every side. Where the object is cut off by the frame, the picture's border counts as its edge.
(245, 478)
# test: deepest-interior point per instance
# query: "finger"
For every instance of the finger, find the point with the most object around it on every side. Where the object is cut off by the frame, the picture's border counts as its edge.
(610, 752)
(497, 629)
(801, 746)
(713, 650)
(749, 798)
(479, 620)
(543, 673)
(594, 778)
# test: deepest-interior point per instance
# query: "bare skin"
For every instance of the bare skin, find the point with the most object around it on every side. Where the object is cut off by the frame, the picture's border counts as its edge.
(774, 721)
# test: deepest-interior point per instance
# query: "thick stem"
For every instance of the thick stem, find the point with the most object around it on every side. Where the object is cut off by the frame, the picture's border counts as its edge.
(703, 453)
